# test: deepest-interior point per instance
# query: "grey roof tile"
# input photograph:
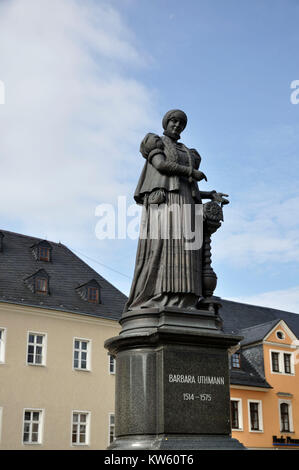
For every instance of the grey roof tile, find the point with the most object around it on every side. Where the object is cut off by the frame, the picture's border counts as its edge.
(66, 273)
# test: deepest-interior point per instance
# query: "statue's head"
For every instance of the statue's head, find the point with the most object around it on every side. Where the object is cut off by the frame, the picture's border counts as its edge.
(174, 122)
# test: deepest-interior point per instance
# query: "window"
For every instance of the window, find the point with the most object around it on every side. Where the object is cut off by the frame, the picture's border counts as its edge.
(284, 417)
(255, 416)
(275, 361)
(282, 362)
(280, 335)
(287, 363)
(81, 354)
(2, 344)
(36, 349)
(41, 285)
(32, 429)
(38, 282)
(93, 295)
(236, 414)
(111, 432)
(111, 364)
(80, 427)
(44, 253)
(90, 291)
(235, 361)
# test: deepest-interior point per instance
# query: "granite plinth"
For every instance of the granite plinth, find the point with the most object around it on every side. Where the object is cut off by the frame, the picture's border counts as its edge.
(172, 381)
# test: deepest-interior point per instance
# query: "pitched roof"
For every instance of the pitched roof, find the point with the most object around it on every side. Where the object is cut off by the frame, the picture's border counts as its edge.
(66, 272)
(257, 333)
(238, 316)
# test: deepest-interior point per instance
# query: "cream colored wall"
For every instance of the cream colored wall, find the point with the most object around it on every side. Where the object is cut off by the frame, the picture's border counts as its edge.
(56, 387)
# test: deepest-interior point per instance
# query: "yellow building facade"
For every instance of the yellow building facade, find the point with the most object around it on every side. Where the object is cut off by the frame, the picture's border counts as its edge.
(268, 417)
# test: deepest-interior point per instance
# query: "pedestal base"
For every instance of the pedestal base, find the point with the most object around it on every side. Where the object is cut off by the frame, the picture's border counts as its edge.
(196, 442)
(172, 381)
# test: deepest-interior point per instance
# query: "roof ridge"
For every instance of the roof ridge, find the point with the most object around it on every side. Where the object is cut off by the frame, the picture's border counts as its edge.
(258, 325)
(256, 306)
(30, 237)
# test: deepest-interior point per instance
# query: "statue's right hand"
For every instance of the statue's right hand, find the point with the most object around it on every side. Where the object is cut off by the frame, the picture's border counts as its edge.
(198, 175)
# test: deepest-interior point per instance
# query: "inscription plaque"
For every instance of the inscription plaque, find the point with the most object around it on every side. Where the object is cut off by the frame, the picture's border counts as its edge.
(195, 391)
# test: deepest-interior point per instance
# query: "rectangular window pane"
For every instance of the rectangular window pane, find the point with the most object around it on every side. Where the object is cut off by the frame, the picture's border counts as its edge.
(81, 354)
(111, 428)
(275, 361)
(31, 432)
(235, 414)
(287, 363)
(79, 428)
(254, 416)
(35, 349)
(236, 360)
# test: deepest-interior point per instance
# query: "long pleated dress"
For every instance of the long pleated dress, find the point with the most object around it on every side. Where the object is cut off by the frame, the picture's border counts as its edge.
(168, 269)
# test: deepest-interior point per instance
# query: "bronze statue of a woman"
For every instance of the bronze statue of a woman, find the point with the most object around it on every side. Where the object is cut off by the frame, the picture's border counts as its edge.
(167, 273)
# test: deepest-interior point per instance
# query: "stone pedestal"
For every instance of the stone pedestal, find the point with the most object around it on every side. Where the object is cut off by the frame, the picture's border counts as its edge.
(172, 381)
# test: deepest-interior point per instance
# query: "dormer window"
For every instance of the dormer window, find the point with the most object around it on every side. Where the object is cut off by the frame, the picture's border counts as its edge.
(90, 292)
(93, 295)
(42, 251)
(41, 285)
(235, 361)
(38, 282)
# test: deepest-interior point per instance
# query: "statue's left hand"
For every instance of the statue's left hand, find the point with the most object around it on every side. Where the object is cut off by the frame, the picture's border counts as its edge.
(219, 197)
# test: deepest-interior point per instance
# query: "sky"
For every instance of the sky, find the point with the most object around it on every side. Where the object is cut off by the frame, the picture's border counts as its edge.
(85, 80)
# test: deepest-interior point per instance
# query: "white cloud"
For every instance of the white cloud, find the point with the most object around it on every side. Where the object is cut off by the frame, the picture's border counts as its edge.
(73, 118)
(257, 232)
(286, 299)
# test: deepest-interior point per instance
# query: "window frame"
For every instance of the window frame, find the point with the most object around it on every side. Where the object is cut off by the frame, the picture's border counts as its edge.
(43, 346)
(87, 428)
(281, 362)
(237, 357)
(3, 331)
(282, 333)
(36, 282)
(88, 354)
(289, 364)
(40, 256)
(111, 426)
(111, 364)
(89, 297)
(290, 415)
(40, 426)
(260, 416)
(240, 414)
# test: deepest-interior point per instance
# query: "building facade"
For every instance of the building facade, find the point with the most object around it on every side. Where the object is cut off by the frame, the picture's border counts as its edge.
(57, 380)
(265, 387)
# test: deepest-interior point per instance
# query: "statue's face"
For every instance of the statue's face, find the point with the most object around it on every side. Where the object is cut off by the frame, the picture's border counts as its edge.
(175, 126)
